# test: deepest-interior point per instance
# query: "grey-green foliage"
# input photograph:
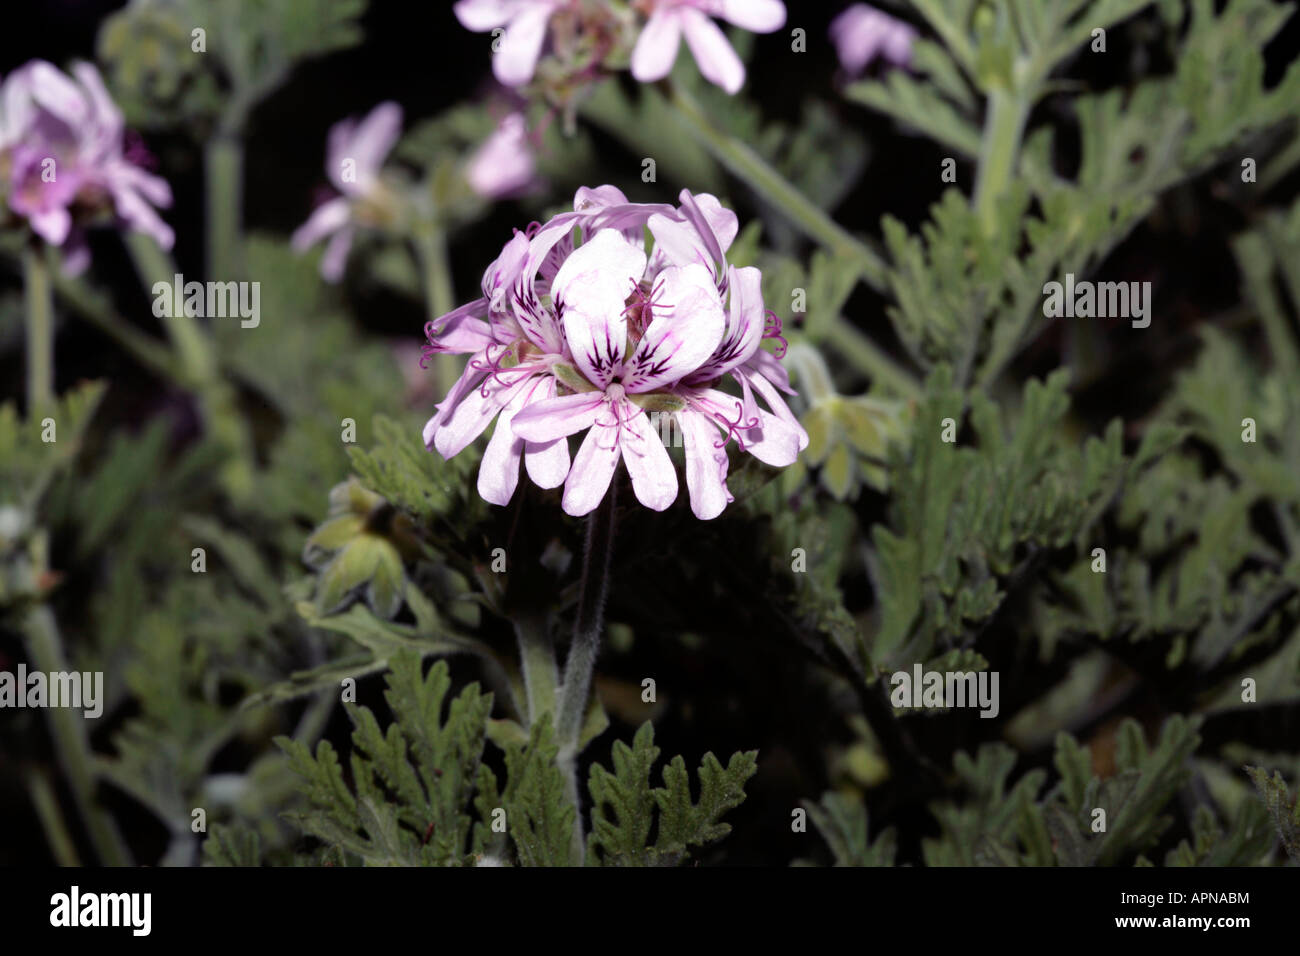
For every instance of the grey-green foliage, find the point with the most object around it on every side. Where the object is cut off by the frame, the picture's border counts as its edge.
(1283, 809)
(421, 793)
(157, 76)
(411, 785)
(966, 517)
(1004, 823)
(966, 294)
(625, 805)
(842, 822)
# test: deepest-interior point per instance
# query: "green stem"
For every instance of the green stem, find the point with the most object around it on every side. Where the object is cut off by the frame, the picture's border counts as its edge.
(439, 293)
(869, 358)
(773, 187)
(581, 661)
(197, 354)
(71, 741)
(537, 660)
(40, 330)
(154, 265)
(224, 172)
(1004, 126)
(47, 810)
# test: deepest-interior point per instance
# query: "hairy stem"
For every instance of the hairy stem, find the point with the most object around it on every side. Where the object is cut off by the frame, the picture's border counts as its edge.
(1003, 128)
(439, 294)
(537, 660)
(71, 741)
(40, 330)
(581, 661)
(224, 174)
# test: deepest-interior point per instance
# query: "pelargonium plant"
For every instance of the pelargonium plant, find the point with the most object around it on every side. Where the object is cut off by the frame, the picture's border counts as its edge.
(582, 328)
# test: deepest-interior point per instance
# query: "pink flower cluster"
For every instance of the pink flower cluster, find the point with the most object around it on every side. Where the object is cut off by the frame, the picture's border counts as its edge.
(525, 23)
(64, 162)
(580, 327)
(862, 33)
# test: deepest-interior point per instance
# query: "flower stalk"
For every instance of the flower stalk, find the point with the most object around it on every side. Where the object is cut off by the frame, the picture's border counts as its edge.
(40, 328)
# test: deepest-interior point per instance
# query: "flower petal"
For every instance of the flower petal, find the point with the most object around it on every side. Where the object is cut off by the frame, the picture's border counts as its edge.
(591, 472)
(713, 53)
(706, 465)
(590, 292)
(374, 137)
(656, 48)
(654, 479)
(687, 326)
(328, 218)
(745, 324)
(553, 418)
(521, 47)
(757, 16)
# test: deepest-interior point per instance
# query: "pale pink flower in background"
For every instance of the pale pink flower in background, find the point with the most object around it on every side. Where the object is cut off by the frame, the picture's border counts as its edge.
(593, 335)
(64, 155)
(355, 156)
(861, 33)
(524, 22)
(656, 48)
(504, 165)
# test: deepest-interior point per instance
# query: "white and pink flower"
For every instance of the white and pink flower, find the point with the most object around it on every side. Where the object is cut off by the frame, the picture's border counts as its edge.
(355, 155)
(670, 20)
(862, 33)
(64, 160)
(595, 335)
(524, 27)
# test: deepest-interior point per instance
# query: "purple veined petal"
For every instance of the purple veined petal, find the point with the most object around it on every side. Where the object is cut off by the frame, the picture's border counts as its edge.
(706, 465)
(590, 293)
(656, 48)
(774, 401)
(551, 418)
(686, 327)
(745, 322)
(591, 473)
(469, 418)
(461, 330)
(483, 15)
(712, 51)
(756, 16)
(371, 142)
(654, 479)
(538, 321)
(547, 462)
(769, 367)
(504, 271)
(470, 378)
(335, 259)
(327, 219)
(717, 226)
(521, 47)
